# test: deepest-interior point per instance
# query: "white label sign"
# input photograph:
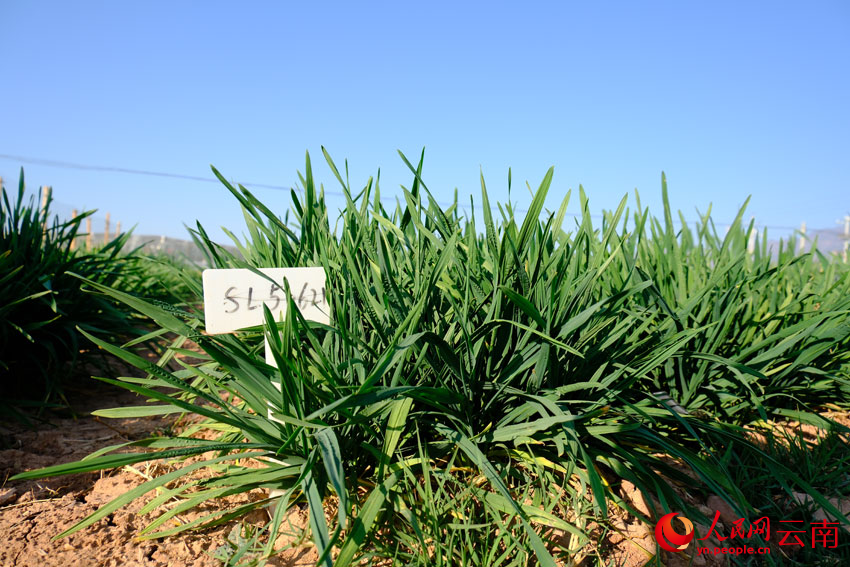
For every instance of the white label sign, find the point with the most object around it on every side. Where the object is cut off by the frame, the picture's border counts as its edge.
(234, 298)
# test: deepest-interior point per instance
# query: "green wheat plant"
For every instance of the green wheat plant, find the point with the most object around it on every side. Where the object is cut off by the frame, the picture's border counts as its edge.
(483, 385)
(43, 304)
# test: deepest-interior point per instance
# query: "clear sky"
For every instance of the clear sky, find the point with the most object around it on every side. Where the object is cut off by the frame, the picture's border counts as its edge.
(728, 98)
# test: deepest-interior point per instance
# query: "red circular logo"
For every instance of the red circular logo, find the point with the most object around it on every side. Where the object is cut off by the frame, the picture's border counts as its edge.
(667, 537)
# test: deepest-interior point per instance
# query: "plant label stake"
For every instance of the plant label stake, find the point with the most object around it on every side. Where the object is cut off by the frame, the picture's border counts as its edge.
(234, 298)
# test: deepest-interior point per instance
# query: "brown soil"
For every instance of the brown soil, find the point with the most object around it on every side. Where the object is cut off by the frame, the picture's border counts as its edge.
(32, 513)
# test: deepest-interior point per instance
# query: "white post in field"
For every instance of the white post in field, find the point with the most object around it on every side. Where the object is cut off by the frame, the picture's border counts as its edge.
(45, 200)
(751, 243)
(74, 241)
(802, 244)
(45, 197)
(106, 230)
(846, 237)
(89, 235)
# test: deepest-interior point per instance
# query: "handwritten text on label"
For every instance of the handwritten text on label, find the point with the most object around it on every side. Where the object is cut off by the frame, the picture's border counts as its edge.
(233, 298)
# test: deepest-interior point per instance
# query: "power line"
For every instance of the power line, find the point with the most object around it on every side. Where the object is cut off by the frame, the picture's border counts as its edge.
(111, 169)
(72, 165)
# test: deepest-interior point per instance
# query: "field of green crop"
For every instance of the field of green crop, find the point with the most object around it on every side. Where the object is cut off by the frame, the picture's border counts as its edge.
(43, 303)
(488, 382)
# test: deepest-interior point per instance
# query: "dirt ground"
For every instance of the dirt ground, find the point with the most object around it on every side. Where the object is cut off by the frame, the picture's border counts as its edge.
(32, 513)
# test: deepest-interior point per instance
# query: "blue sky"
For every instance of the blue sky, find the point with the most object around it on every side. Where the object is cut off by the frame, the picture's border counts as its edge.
(728, 98)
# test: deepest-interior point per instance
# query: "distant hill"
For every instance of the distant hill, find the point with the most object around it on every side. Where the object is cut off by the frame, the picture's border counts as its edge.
(828, 240)
(150, 244)
(176, 247)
